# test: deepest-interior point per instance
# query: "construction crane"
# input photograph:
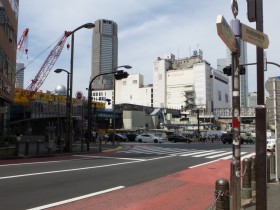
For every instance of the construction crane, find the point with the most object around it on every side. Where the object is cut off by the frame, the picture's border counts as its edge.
(21, 48)
(44, 71)
(22, 44)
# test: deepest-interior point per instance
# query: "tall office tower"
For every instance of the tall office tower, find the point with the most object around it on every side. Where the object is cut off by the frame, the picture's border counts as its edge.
(221, 63)
(8, 50)
(104, 53)
(20, 75)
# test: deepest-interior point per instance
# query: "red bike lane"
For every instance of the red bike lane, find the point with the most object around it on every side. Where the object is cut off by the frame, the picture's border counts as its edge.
(189, 189)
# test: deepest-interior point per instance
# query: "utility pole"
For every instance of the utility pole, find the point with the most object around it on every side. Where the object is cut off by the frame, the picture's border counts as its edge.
(235, 163)
(261, 191)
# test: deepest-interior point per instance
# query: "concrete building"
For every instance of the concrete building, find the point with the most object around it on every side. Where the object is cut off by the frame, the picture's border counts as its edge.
(104, 53)
(252, 99)
(130, 90)
(8, 49)
(222, 63)
(189, 83)
(20, 75)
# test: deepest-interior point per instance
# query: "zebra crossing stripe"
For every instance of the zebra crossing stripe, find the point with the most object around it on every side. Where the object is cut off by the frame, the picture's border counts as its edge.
(219, 155)
(230, 156)
(248, 156)
(196, 153)
(208, 153)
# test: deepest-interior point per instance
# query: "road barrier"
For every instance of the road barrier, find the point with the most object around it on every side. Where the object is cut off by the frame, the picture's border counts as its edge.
(222, 194)
(253, 173)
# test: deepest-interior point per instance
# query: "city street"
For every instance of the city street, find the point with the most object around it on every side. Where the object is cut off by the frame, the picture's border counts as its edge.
(46, 181)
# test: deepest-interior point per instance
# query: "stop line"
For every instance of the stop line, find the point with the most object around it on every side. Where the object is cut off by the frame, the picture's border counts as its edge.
(209, 154)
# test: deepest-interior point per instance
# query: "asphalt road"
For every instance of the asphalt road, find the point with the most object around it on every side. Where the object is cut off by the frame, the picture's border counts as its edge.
(28, 184)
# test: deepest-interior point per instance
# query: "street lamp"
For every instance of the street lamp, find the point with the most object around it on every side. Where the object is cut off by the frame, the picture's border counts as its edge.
(68, 99)
(88, 26)
(114, 96)
(118, 74)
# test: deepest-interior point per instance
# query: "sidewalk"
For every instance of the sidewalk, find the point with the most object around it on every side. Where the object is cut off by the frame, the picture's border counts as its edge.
(191, 189)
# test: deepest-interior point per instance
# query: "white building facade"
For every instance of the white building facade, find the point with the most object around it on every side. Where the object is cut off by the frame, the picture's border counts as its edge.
(189, 83)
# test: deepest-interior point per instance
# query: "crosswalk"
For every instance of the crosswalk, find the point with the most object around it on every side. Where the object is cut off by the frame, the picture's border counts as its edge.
(209, 154)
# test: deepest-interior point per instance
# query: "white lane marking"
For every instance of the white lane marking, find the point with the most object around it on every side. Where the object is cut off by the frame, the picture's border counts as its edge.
(204, 163)
(76, 199)
(67, 170)
(118, 158)
(208, 153)
(85, 168)
(45, 162)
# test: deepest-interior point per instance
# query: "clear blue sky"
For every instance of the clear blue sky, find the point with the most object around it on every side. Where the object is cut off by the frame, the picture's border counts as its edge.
(147, 29)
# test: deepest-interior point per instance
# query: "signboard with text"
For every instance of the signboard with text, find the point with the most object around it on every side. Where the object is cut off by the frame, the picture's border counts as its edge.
(225, 33)
(254, 36)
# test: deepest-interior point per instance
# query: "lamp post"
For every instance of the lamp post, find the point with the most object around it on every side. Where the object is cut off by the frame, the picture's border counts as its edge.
(69, 125)
(59, 90)
(120, 75)
(67, 145)
(114, 101)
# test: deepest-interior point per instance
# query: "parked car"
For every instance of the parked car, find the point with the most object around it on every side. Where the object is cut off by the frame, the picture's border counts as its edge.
(178, 138)
(270, 144)
(148, 138)
(118, 137)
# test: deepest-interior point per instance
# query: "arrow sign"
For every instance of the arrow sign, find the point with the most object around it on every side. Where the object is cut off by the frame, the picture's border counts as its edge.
(225, 33)
(254, 36)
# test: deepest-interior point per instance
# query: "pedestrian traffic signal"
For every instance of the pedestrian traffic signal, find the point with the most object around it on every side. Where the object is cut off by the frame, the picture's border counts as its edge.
(227, 70)
(242, 70)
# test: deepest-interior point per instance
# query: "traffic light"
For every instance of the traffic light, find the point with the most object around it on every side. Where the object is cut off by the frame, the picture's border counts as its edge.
(242, 70)
(121, 75)
(227, 70)
(108, 100)
(251, 10)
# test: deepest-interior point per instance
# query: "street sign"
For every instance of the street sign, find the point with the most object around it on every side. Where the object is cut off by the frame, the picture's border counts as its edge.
(254, 36)
(269, 84)
(225, 33)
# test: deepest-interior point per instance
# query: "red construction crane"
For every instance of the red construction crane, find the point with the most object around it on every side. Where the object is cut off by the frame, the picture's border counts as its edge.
(22, 44)
(44, 71)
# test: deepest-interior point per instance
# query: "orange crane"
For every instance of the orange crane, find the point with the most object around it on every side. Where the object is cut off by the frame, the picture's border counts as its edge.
(44, 71)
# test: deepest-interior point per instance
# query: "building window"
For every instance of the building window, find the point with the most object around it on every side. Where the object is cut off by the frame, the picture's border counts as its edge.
(226, 97)
(219, 96)
(134, 82)
(130, 97)
(124, 82)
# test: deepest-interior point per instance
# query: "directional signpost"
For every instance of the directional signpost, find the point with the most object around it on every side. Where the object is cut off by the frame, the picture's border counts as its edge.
(254, 36)
(225, 33)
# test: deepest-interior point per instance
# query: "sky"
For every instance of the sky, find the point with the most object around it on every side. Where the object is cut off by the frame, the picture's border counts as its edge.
(147, 29)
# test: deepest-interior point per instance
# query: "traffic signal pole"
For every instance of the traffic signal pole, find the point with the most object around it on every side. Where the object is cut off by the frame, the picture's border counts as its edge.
(235, 163)
(261, 191)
